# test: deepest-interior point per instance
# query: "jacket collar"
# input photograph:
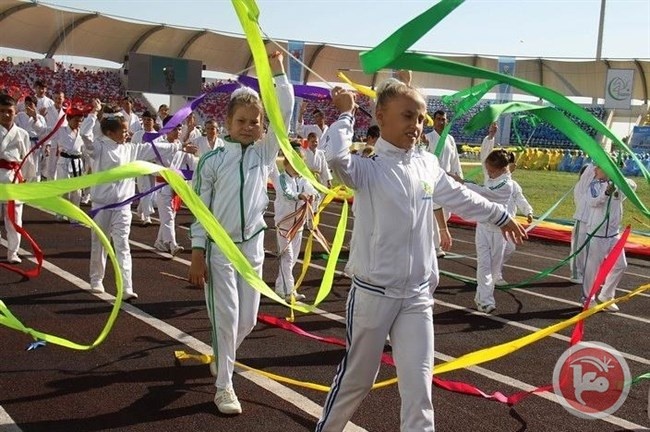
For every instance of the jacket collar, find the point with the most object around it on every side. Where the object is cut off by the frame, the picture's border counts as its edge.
(384, 148)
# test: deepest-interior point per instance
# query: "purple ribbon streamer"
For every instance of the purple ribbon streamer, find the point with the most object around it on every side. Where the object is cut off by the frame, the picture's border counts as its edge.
(300, 90)
(187, 174)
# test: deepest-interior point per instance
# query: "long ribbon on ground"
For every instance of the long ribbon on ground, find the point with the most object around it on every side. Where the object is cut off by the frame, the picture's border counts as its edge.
(47, 195)
(476, 357)
(463, 362)
(66, 208)
(391, 53)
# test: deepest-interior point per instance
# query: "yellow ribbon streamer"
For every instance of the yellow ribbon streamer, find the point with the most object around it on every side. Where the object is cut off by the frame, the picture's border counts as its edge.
(369, 92)
(468, 360)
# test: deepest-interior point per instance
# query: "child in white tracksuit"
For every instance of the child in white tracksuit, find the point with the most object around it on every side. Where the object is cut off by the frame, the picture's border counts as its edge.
(581, 219)
(232, 181)
(291, 193)
(490, 243)
(604, 202)
(517, 202)
(166, 239)
(394, 264)
(105, 152)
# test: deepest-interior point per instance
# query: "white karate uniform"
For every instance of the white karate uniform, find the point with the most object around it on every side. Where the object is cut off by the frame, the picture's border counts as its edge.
(132, 120)
(68, 144)
(393, 267)
(304, 130)
(601, 206)
(35, 128)
(287, 190)
(204, 145)
(490, 243)
(517, 202)
(166, 213)
(194, 133)
(104, 154)
(449, 163)
(51, 119)
(144, 183)
(14, 146)
(581, 218)
(232, 181)
(318, 165)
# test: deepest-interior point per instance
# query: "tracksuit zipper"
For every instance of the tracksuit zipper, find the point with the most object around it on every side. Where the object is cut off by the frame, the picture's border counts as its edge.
(241, 192)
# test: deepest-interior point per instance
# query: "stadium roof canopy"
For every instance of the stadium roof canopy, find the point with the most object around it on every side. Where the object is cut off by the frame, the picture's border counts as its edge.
(31, 26)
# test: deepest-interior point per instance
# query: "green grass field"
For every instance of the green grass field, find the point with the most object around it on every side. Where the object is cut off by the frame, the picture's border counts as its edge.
(544, 188)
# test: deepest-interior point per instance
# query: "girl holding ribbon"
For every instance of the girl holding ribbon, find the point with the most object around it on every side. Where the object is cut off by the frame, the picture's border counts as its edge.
(231, 181)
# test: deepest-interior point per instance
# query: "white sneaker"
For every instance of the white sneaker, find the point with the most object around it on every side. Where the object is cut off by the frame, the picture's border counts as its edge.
(297, 296)
(226, 401)
(162, 247)
(14, 259)
(175, 250)
(440, 253)
(500, 282)
(97, 287)
(577, 281)
(213, 368)
(129, 295)
(611, 308)
(146, 221)
(488, 309)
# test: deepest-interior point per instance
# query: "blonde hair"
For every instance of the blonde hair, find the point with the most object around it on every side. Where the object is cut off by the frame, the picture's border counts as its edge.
(241, 97)
(392, 88)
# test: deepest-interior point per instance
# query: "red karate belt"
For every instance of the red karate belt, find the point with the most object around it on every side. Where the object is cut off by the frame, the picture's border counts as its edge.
(11, 213)
(176, 200)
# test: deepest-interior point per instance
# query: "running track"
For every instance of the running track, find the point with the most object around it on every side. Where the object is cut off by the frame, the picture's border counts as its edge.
(131, 381)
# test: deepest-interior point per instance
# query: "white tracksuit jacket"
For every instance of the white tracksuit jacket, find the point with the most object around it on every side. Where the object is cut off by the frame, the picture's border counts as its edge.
(240, 175)
(605, 237)
(394, 198)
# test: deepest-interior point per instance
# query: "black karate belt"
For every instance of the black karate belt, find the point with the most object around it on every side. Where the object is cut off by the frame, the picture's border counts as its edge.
(75, 162)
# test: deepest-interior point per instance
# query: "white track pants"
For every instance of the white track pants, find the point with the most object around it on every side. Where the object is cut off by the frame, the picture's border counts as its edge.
(288, 255)
(370, 318)
(167, 228)
(490, 248)
(13, 238)
(145, 206)
(578, 238)
(63, 172)
(116, 224)
(599, 248)
(232, 304)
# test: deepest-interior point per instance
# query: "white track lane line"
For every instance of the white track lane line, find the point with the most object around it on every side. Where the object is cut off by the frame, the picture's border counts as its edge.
(301, 402)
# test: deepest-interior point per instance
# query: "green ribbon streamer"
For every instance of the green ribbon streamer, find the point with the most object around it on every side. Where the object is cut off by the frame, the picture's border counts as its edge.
(644, 376)
(574, 133)
(391, 53)
(461, 102)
